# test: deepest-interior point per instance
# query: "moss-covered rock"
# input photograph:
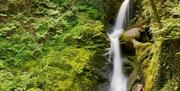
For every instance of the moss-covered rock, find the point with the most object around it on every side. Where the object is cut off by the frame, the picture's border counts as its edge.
(51, 45)
(157, 64)
(111, 8)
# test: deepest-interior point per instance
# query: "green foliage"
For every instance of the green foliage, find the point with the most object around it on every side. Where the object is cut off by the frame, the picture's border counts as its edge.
(49, 45)
(87, 33)
(162, 72)
(169, 12)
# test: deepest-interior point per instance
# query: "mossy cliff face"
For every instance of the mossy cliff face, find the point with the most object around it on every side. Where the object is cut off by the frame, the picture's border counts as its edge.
(110, 8)
(158, 64)
(51, 45)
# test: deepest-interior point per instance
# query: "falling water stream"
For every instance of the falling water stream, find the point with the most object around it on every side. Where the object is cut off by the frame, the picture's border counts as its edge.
(118, 80)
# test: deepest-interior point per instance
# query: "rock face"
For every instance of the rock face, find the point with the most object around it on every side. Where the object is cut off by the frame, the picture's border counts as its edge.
(157, 65)
(111, 8)
(167, 74)
(156, 62)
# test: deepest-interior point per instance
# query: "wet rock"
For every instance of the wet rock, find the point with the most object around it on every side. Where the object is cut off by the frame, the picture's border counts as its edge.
(111, 8)
(138, 87)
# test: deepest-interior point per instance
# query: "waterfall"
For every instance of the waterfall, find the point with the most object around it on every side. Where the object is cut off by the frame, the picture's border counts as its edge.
(119, 81)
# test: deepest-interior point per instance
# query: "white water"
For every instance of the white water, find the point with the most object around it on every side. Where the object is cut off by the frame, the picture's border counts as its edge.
(119, 81)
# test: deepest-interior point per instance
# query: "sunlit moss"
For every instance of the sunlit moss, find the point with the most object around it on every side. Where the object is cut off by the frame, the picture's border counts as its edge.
(50, 45)
(160, 70)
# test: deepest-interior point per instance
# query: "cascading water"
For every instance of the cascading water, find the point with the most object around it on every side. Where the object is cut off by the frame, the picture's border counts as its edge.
(119, 81)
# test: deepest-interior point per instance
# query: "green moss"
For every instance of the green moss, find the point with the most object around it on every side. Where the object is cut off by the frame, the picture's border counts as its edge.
(171, 85)
(151, 70)
(160, 68)
(64, 70)
(87, 33)
(50, 45)
(67, 68)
